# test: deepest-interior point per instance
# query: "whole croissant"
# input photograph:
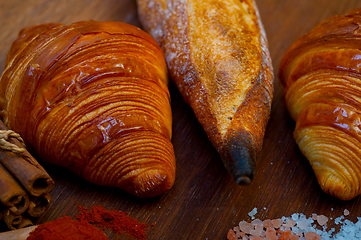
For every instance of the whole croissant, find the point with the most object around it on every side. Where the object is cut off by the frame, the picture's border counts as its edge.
(93, 97)
(217, 55)
(321, 73)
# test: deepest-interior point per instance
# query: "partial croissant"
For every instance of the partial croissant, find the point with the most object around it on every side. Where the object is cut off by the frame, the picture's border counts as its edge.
(217, 55)
(321, 73)
(93, 97)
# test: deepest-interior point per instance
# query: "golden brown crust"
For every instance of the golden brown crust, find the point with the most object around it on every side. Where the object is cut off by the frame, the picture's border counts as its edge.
(321, 74)
(217, 55)
(93, 97)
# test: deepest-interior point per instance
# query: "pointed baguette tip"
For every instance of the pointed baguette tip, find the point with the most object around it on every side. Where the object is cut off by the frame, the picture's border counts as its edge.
(243, 180)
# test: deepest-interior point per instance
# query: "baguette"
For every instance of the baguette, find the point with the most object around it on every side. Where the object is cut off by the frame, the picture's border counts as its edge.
(217, 55)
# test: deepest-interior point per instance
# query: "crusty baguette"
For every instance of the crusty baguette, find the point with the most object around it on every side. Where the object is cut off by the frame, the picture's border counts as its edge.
(217, 55)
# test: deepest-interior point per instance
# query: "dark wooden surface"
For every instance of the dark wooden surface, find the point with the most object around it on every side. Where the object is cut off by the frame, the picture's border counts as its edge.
(204, 202)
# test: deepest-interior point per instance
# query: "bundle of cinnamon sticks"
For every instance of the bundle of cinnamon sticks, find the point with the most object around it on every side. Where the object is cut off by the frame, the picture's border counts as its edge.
(24, 184)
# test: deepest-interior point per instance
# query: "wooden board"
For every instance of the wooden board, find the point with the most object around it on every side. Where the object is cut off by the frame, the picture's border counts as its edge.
(204, 202)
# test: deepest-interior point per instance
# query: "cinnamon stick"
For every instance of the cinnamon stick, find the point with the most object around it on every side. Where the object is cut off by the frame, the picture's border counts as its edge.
(11, 219)
(25, 222)
(12, 195)
(24, 183)
(39, 205)
(26, 169)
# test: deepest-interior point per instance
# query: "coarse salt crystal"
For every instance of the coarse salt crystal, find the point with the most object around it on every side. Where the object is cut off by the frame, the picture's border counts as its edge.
(294, 237)
(339, 220)
(258, 232)
(346, 212)
(252, 213)
(290, 223)
(298, 227)
(300, 234)
(237, 231)
(267, 223)
(286, 234)
(271, 234)
(295, 216)
(295, 230)
(358, 224)
(312, 236)
(302, 224)
(231, 235)
(321, 219)
(257, 222)
(245, 227)
(256, 238)
(277, 223)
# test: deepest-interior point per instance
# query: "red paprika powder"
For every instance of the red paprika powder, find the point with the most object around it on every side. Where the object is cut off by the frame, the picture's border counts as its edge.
(67, 229)
(119, 222)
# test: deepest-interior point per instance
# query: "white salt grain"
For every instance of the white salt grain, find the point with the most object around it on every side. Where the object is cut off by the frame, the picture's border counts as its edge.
(298, 233)
(358, 224)
(295, 216)
(252, 213)
(339, 220)
(346, 212)
(302, 224)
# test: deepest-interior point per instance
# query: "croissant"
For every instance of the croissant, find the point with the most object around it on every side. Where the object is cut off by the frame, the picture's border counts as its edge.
(217, 55)
(321, 75)
(93, 97)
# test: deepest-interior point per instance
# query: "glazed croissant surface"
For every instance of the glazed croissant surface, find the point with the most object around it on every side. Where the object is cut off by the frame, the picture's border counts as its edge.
(321, 73)
(217, 55)
(93, 97)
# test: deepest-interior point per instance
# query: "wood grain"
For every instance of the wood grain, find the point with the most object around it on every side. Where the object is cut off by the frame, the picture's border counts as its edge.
(204, 202)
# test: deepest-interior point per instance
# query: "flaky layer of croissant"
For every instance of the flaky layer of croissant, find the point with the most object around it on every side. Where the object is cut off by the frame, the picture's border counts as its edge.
(93, 97)
(321, 73)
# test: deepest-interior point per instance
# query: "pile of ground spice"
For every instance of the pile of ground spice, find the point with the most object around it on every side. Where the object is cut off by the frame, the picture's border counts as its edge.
(117, 221)
(66, 228)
